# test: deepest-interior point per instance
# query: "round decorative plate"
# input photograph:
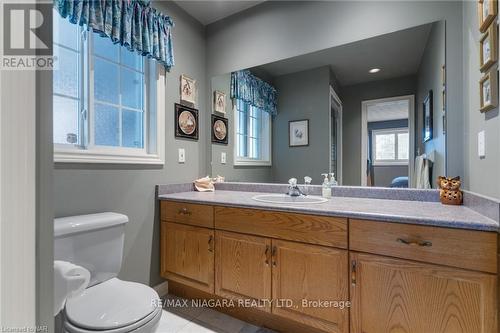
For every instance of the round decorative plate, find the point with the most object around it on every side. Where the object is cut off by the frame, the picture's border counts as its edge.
(187, 122)
(220, 130)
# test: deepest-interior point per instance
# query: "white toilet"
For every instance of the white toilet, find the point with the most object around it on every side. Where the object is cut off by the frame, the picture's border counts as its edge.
(109, 304)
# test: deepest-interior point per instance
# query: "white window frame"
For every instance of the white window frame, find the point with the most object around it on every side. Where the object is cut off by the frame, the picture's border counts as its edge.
(394, 131)
(153, 152)
(266, 142)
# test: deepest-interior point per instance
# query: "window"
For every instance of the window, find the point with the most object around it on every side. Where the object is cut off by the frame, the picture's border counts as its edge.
(253, 136)
(104, 103)
(390, 146)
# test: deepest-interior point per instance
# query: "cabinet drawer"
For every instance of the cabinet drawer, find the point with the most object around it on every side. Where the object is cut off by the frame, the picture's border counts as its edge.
(186, 213)
(475, 250)
(322, 230)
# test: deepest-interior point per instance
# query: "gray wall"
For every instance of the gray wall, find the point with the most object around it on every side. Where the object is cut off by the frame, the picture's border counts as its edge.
(429, 78)
(228, 170)
(82, 189)
(352, 96)
(277, 30)
(482, 173)
(302, 95)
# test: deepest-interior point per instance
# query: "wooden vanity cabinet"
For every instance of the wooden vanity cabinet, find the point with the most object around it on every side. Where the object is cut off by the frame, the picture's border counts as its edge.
(187, 255)
(313, 273)
(243, 267)
(395, 295)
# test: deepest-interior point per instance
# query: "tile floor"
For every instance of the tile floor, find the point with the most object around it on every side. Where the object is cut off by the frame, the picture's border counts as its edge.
(202, 320)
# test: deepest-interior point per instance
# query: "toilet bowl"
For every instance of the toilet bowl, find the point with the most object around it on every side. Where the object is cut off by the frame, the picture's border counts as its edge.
(108, 305)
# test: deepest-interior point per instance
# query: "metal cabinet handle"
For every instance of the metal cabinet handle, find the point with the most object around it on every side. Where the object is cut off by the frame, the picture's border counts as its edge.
(184, 211)
(353, 272)
(266, 254)
(414, 242)
(273, 255)
(211, 243)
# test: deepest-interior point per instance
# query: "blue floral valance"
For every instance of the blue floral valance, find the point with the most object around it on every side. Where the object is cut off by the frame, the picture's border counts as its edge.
(247, 87)
(130, 23)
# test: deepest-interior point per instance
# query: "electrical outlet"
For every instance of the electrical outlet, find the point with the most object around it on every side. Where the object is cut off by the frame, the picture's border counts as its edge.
(182, 155)
(481, 145)
(223, 158)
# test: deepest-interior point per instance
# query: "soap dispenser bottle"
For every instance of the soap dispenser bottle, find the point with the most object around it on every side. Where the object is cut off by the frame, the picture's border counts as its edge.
(326, 189)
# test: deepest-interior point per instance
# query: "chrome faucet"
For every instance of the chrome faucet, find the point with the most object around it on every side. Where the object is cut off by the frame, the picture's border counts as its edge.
(293, 188)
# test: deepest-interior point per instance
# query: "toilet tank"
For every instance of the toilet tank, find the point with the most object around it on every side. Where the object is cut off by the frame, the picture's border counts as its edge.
(93, 241)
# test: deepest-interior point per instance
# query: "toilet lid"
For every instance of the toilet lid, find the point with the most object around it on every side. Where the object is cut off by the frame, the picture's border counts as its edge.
(111, 304)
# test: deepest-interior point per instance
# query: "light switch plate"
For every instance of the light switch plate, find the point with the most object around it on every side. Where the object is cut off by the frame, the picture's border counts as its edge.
(481, 145)
(182, 155)
(223, 158)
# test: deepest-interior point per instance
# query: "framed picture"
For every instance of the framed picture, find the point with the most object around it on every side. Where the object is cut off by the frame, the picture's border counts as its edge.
(219, 102)
(428, 116)
(298, 133)
(219, 129)
(488, 91)
(186, 122)
(188, 90)
(488, 48)
(487, 11)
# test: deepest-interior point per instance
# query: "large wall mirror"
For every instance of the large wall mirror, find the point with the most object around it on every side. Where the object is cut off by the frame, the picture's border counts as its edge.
(372, 112)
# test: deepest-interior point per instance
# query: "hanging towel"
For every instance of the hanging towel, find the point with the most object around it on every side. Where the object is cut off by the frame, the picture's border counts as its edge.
(204, 184)
(69, 280)
(421, 173)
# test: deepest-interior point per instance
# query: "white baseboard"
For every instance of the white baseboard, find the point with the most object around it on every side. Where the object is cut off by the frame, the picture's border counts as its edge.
(162, 288)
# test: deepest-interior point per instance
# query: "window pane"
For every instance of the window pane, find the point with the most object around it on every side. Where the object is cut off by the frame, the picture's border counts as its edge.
(242, 145)
(66, 78)
(106, 81)
(403, 146)
(106, 125)
(254, 127)
(64, 32)
(253, 150)
(132, 59)
(104, 47)
(385, 147)
(132, 129)
(65, 120)
(242, 126)
(132, 86)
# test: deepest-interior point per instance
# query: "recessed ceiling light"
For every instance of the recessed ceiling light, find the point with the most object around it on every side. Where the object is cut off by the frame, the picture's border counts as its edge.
(374, 70)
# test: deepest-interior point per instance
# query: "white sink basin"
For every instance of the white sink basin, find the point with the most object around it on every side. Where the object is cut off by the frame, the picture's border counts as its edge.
(286, 199)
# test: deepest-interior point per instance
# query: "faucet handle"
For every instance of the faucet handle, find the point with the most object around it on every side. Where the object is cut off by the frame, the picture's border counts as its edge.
(292, 181)
(307, 180)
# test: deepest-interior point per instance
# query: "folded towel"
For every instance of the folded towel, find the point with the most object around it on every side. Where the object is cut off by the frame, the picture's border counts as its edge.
(69, 281)
(204, 184)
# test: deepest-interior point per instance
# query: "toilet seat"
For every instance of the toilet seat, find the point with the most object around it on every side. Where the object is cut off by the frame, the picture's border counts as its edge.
(112, 306)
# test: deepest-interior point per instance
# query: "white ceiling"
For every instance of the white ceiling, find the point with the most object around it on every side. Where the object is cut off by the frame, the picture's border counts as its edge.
(397, 54)
(209, 11)
(390, 110)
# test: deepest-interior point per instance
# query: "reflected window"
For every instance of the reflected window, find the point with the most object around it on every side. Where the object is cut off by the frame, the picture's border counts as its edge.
(253, 138)
(390, 146)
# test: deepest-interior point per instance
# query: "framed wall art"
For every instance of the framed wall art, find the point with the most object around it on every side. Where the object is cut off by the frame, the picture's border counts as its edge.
(220, 102)
(428, 117)
(488, 47)
(298, 133)
(219, 129)
(186, 122)
(188, 90)
(488, 91)
(487, 11)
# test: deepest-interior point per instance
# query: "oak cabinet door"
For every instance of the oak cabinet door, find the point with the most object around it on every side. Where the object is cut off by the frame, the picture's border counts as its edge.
(313, 274)
(243, 268)
(394, 295)
(187, 255)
